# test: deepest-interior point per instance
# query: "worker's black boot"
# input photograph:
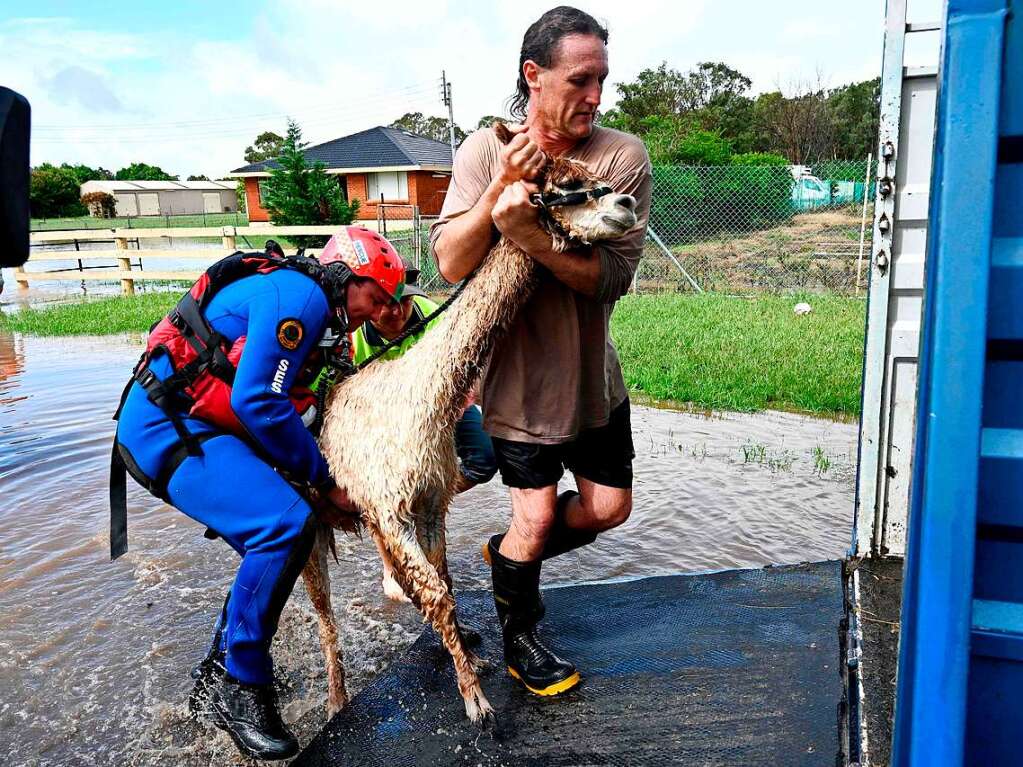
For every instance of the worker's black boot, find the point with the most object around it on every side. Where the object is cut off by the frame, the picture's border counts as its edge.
(561, 538)
(209, 671)
(248, 713)
(520, 608)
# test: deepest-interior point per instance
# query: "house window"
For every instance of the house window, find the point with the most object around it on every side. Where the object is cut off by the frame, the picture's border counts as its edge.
(261, 187)
(393, 186)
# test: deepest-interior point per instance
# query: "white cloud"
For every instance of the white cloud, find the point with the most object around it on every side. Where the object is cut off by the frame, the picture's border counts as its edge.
(193, 105)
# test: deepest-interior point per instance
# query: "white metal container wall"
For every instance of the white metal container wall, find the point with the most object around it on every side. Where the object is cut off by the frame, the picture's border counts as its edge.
(149, 204)
(888, 422)
(126, 204)
(211, 202)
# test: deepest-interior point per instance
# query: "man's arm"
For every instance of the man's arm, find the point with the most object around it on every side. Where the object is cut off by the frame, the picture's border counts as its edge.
(517, 219)
(603, 272)
(267, 369)
(467, 237)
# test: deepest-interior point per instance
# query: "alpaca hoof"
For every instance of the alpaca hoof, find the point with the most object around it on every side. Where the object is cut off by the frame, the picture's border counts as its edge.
(334, 706)
(393, 591)
(479, 710)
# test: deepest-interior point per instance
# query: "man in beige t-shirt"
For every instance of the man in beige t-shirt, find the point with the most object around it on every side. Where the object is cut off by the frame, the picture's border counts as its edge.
(552, 393)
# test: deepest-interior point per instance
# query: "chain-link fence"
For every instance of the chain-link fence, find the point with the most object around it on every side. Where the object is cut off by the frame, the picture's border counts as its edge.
(734, 229)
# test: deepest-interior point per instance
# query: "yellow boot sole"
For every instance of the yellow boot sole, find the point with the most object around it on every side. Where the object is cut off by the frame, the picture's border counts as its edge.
(554, 689)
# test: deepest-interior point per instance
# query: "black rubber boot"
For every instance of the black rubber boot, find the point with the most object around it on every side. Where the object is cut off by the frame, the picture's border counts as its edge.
(215, 660)
(209, 671)
(248, 713)
(520, 608)
(561, 539)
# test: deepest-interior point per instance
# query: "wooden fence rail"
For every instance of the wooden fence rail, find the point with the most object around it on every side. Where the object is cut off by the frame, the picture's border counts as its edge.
(124, 255)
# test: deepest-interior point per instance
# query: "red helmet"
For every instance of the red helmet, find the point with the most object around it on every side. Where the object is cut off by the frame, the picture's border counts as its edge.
(368, 255)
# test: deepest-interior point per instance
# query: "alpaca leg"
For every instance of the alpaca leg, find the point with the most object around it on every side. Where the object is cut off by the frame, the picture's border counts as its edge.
(432, 536)
(391, 588)
(317, 583)
(430, 594)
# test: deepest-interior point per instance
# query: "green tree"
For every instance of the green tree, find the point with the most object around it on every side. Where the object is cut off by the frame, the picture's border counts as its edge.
(855, 113)
(267, 146)
(654, 93)
(140, 171)
(488, 120)
(239, 189)
(297, 194)
(712, 83)
(677, 141)
(801, 126)
(431, 127)
(84, 173)
(198, 178)
(54, 193)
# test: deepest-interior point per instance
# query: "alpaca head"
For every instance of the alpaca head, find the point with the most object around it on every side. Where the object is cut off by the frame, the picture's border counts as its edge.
(577, 207)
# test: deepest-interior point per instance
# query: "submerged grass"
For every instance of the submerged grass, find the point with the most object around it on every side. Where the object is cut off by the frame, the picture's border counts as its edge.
(706, 351)
(114, 314)
(720, 352)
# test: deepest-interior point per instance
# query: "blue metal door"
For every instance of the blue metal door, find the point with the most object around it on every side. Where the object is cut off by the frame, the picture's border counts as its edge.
(960, 687)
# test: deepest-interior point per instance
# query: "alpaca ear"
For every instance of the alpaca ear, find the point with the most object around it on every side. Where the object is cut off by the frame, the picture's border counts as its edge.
(503, 134)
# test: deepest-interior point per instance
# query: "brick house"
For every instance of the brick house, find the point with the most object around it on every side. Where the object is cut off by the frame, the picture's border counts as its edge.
(388, 163)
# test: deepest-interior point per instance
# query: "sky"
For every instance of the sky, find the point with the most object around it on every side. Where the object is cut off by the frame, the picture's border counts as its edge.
(188, 85)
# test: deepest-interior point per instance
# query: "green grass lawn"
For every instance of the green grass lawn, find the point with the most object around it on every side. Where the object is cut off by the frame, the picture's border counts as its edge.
(720, 352)
(115, 314)
(140, 222)
(706, 351)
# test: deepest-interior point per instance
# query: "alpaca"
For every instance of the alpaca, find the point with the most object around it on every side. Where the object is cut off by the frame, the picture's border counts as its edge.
(397, 462)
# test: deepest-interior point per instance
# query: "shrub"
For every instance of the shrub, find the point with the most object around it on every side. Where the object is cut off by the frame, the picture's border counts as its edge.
(100, 204)
(298, 194)
(54, 192)
(691, 203)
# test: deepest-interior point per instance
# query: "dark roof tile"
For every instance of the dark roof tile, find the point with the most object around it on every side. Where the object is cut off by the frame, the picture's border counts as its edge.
(377, 147)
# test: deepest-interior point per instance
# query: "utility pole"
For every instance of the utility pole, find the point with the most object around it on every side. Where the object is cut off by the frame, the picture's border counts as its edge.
(445, 96)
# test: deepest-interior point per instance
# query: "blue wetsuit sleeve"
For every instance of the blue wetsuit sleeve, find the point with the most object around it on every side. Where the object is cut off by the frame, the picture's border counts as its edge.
(267, 371)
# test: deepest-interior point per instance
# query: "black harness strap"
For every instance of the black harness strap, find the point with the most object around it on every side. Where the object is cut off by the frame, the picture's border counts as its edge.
(551, 200)
(122, 463)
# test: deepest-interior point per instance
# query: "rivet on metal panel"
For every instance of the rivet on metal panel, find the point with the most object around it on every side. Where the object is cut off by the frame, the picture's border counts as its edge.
(888, 150)
(885, 186)
(883, 224)
(881, 260)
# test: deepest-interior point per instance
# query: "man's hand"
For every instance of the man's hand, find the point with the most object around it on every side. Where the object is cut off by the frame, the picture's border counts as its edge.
(337, 510)
(521, 158)
(517, 218)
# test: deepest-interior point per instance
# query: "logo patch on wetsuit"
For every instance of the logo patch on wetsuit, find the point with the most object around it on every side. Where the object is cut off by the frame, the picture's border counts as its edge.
(277, 386)
(360, 253)
(289, 334)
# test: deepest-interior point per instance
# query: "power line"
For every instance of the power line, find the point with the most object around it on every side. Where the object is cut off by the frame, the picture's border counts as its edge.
(336, 115)
(402, 93)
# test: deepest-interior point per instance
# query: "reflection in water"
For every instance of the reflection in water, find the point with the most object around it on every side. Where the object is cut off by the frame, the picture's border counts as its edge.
(12, 360)
(94, 656)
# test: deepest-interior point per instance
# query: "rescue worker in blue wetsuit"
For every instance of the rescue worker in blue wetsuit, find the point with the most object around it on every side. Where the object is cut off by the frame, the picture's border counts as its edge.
(209, 424)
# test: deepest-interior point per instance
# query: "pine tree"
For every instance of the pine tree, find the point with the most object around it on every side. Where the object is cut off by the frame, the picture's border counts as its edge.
(297, 194)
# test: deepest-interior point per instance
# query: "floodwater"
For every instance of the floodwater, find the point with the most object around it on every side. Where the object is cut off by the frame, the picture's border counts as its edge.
(94, 655)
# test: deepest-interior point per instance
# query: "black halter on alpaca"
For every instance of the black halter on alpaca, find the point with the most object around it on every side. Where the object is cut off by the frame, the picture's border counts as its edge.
(552, 200)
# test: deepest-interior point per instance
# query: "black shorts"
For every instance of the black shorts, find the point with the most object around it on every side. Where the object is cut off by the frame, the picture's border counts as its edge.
(602, 455)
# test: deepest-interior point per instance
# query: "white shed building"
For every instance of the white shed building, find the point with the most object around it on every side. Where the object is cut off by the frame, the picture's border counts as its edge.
(168, 198)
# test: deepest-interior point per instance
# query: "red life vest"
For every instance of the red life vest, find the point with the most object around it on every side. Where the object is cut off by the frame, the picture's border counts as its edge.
(203, 360)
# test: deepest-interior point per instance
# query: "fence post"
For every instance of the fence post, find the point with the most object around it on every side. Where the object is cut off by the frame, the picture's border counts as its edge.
(863, 221)
(229, 239)
(127, 284)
